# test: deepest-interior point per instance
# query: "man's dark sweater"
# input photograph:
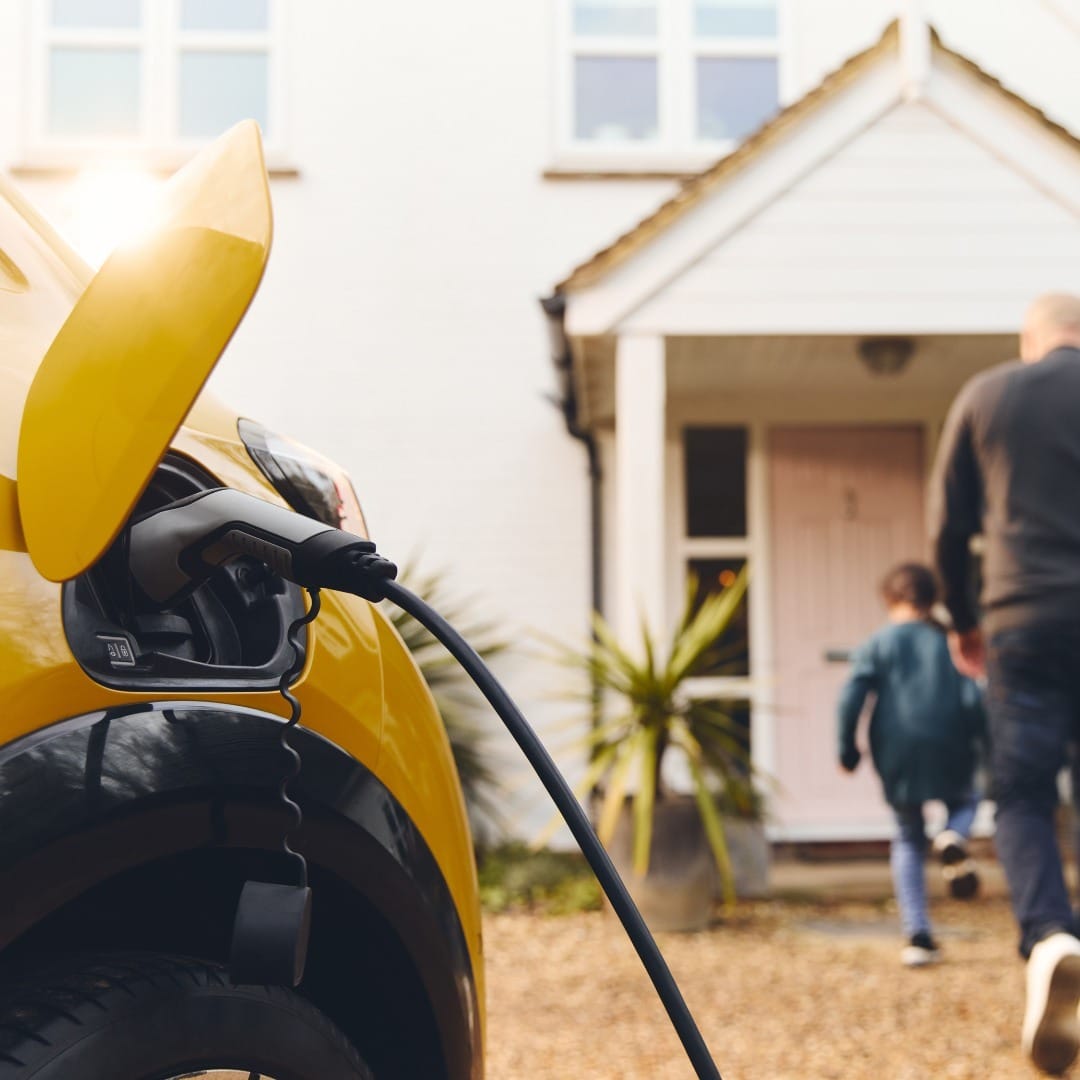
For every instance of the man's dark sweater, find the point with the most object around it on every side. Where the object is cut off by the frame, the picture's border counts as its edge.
(1009, 467)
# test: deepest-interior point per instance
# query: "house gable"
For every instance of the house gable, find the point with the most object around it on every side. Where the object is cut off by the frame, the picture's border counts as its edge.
(901, 230)
(870, 212)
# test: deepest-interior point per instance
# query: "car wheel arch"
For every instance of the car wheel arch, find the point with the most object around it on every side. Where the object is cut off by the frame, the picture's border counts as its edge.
(174, 804)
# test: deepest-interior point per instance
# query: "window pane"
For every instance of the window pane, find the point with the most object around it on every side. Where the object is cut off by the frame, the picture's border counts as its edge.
(94, 91)
(224, 14)
(615, 98)
(217, 89)
(735, 18)
(97, 14)
(715, 481)
(735, 95)
(732, 653)
(627, 18)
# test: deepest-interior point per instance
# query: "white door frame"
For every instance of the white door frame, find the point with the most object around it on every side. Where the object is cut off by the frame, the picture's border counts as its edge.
(759, 415)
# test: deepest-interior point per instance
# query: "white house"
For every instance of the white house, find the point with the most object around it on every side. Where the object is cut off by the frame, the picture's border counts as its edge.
(776, 347)
(772, 237)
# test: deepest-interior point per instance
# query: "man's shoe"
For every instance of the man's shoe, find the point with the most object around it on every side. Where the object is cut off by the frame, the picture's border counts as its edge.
(958, 870)
(1051, 1032)
(920, 951)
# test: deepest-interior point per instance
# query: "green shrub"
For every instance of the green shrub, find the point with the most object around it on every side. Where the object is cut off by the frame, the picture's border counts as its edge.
(514, 877)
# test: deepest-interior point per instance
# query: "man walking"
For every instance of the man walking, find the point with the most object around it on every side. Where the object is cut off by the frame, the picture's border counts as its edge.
(1009, 467)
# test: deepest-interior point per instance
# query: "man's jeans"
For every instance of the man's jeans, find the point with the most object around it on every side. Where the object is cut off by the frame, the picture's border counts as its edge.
(1033, 704)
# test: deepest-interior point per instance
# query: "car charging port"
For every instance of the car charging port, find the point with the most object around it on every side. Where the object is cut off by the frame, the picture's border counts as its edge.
(230, 633)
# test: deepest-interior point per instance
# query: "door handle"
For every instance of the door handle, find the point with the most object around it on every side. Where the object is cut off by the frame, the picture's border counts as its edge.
(837, 656)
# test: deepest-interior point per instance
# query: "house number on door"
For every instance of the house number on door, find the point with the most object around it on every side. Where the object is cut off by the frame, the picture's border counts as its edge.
(851, 504)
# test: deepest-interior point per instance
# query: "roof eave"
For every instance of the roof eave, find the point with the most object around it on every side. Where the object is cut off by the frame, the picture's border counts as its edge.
(695, 189)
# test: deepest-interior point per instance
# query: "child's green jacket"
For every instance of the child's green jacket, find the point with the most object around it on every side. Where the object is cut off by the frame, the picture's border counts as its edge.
(927, 719)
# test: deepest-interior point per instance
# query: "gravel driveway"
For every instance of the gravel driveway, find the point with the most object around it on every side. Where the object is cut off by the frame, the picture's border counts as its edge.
(783, 991)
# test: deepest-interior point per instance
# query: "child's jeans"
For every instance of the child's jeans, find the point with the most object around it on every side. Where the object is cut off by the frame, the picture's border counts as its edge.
(908, 853)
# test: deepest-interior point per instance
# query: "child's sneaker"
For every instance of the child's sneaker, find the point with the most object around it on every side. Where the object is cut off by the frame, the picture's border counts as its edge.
(957, 867)
(920, 951)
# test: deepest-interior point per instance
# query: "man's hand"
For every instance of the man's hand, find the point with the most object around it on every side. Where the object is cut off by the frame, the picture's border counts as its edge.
(968, 652)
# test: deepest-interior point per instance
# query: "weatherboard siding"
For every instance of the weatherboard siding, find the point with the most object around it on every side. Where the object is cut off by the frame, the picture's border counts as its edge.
(899, 229)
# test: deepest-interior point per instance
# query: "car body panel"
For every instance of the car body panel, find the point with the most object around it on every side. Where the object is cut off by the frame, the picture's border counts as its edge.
(134, 352)
(40, 280)
(359, 681)
(424, 780)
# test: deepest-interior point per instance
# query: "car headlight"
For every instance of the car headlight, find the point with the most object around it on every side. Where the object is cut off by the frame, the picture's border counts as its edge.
(311, 484)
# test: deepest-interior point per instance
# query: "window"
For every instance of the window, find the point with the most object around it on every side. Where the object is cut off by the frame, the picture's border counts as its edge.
(160, 75)
(667, 76)
(715, 460)
(716, 542)
(733, 648)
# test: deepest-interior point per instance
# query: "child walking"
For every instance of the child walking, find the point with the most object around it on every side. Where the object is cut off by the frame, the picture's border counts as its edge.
(925, 725)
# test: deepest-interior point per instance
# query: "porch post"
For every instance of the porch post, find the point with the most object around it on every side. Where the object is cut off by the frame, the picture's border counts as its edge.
(640, 406)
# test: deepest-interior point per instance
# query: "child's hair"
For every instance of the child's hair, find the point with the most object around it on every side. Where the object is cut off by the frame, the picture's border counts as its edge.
(910, 583)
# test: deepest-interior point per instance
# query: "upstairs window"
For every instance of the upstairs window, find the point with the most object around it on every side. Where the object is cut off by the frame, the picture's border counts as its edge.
(666, 76)
(162, 76)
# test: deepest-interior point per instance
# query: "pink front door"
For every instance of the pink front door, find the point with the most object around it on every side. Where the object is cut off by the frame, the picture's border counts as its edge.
(846, 505)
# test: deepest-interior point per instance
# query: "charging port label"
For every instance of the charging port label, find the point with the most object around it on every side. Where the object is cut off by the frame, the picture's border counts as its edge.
(118, 651)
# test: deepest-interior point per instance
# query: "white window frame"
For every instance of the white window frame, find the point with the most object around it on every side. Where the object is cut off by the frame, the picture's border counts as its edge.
(676, 49)
(160, 40)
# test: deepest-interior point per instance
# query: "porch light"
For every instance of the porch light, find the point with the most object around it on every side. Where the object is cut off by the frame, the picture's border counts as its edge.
(886, 355)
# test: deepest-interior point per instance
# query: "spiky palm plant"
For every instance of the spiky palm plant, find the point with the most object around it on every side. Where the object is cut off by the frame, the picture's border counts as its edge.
(459, 702)
(650, 714)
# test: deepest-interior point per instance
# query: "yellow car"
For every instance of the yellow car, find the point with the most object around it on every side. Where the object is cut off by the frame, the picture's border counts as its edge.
(139, 748)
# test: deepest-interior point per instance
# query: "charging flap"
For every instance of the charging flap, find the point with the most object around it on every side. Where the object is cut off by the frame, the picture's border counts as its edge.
(129, 361)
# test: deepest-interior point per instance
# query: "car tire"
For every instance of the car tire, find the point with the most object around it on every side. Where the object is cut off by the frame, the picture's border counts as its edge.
(158, 1017)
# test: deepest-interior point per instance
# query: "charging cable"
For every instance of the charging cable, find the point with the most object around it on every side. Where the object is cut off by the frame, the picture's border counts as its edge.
(572, 813)
(181, 544)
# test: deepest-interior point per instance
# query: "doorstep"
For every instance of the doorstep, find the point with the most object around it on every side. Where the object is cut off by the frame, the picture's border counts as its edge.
(838, 872)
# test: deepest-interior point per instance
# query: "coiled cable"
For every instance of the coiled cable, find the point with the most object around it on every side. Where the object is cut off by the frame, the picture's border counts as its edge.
(292, 768)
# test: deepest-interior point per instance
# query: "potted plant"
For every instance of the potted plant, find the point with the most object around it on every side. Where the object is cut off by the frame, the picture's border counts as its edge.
(672, 846)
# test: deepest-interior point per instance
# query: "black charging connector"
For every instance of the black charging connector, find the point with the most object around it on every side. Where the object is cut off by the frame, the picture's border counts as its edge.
(178, 546)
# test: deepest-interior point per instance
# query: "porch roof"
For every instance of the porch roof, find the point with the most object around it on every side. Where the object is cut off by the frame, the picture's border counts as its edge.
(699, 187)
(957, 154)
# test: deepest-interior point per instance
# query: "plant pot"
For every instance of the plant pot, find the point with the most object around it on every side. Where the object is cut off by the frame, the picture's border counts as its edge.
(678, 891)
(750, 858)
